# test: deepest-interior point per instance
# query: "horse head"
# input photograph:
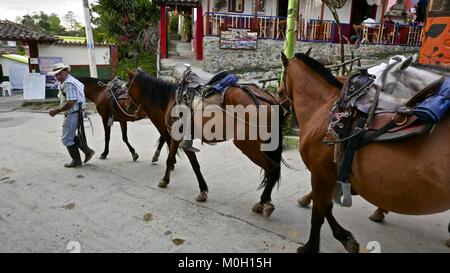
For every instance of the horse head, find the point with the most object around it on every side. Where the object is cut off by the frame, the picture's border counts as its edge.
(134, 99)
(284, 95)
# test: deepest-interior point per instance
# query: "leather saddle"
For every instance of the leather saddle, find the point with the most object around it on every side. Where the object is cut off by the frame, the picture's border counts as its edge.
(377, 109)
(402, 87)
(195, 81)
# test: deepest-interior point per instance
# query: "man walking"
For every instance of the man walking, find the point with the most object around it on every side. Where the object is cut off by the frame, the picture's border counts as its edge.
(73, 104)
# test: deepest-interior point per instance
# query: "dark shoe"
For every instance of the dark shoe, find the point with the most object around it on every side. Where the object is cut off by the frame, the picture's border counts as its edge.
(88, 155)
(73, 164)
(75, 155)
(88, 152)
(187, 146)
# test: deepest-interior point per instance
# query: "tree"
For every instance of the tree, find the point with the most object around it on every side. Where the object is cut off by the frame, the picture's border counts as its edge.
(132, 24)
(49, 23)
(69, 20)
(334, 5)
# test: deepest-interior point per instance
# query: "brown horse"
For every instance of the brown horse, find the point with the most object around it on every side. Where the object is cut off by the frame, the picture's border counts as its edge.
(100, 95)
(387, 174)
(157, 98)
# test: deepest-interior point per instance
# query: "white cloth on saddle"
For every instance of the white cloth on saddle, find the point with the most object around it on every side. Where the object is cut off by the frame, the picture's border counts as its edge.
(378, 69)
(400, 84)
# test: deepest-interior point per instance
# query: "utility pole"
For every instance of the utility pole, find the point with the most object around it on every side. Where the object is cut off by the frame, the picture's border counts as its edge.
(291, 24)
(89, 40)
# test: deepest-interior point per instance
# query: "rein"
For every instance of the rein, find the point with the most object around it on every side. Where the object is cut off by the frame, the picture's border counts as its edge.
(133, 115)
(287, 110)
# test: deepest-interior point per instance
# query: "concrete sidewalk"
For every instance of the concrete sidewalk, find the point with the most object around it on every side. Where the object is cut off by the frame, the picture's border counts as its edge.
(115, 205)
(11, 103)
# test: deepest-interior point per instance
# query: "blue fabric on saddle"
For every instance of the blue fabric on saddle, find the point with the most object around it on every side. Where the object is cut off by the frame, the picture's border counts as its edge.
(434, 108)
(227, 81)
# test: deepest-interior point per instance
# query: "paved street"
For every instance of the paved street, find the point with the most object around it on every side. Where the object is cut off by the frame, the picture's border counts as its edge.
(115, 205)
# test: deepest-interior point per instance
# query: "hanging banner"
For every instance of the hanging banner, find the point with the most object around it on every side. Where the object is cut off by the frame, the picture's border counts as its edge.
(238, 39)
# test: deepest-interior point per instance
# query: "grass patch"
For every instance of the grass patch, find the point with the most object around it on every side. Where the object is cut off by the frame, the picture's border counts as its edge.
(52, 104)
(290, 142)
(41, 105)
(146, 61)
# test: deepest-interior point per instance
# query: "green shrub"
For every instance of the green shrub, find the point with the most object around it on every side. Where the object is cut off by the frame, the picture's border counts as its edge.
(173, 26)
(146, 61)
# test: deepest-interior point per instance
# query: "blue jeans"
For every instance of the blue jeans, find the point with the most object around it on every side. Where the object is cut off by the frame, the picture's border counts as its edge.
(69, 129)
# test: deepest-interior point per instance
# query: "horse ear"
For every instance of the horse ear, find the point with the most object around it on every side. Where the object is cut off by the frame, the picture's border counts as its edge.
(130, 73)
(308, 52)
(406, 63)
(284, 59)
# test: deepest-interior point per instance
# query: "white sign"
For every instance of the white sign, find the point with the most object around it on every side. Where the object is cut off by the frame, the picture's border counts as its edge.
(16, 73)
(34, 86)
(34, 61)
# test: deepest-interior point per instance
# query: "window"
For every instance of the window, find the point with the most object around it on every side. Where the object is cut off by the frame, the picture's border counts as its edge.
(236, 5)
(262, 4)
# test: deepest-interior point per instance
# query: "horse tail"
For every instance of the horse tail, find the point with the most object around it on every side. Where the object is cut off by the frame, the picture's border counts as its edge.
(273, 174)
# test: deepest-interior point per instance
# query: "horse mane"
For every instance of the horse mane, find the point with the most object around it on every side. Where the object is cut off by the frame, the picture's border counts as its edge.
(87, 79)
(319, 69)
(155, 91)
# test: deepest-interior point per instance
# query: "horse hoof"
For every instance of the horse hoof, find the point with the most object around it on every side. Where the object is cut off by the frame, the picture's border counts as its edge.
(268, 208)
(352, 246)
(103, 156)
(163, 184)
(135, 156)
(306, 249)
(304, 202)
(377, 216)
(155, 158)
(202, 196)
(447, 243)
(258, 208)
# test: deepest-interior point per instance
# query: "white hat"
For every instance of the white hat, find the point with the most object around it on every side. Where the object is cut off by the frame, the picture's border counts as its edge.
(56, 68)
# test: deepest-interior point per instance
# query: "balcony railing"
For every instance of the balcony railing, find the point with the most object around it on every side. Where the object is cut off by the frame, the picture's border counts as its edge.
(273, 27)
(389, 33)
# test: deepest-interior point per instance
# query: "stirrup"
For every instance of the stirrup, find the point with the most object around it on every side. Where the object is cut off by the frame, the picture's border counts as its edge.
(187, 146)
(337, 194)
(344, 190)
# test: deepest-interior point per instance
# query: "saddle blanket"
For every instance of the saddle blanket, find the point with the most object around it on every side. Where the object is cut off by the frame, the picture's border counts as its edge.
(434, 108)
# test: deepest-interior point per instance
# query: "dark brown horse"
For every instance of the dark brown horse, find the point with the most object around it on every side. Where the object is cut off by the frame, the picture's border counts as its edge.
(387, 174)
(102, 97)
(157, 98)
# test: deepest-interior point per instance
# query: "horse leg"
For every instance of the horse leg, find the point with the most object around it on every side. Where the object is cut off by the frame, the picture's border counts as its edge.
(168, 140)
(123, 127)
(170, 163)
(378, 215)
(161, 142)
(271, 174)
(305, 200)
(107, 130)
(322, 193)
(203, 195)
(342, 235)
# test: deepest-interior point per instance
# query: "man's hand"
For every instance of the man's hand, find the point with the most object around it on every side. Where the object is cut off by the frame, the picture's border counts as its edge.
(69, 104)
(53, 112)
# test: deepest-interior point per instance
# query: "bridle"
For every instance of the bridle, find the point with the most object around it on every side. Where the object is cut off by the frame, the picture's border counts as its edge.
(287, 109)
(138, 106)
